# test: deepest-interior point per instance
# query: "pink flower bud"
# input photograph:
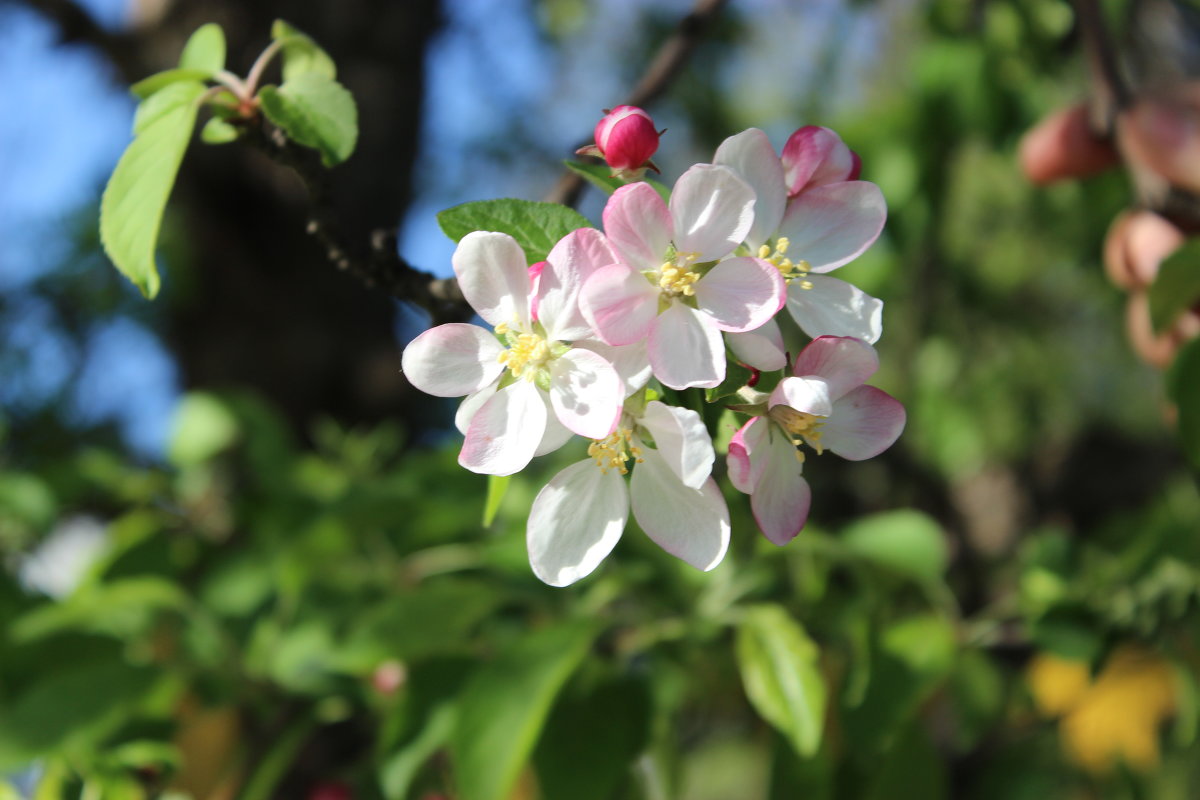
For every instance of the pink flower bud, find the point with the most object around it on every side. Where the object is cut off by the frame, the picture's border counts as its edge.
(389, 676)
(814, 156)
(625, 138)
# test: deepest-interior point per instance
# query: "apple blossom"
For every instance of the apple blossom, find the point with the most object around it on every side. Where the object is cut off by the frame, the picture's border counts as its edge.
(825, 405)
(527, 386)
(580, 514)
(810, 217)
(625, 138)
(674, 286)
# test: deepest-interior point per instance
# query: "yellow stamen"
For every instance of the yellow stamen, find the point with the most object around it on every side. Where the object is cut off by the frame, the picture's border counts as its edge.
(614, 451)
(525, 356)
(676, 278)
(802, 427)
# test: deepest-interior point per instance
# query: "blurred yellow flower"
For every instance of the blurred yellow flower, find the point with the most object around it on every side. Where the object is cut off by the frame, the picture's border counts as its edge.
(1114, 718)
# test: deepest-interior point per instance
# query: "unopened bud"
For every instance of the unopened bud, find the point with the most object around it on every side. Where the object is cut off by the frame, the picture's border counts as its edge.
(625, 138)
(388, 677)
(814, 156)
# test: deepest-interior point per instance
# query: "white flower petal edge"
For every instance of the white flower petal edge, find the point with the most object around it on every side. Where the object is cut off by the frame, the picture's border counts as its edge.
(572, 261)
(576, 520)
(782, 498)
(751, 155)
(506, 430)
(638, 223)
(685, 349)
(761, 348)
(452, 360)
(630, 361)
(865, 422)
(689, 524)
(835, 308)
(832, 225)
(712, 209)
(586, 393)
(682, 441)
(493, 276)
(741, 294)
(842, 362)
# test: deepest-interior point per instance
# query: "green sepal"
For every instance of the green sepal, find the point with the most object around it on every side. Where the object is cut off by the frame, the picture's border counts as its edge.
(496, 489)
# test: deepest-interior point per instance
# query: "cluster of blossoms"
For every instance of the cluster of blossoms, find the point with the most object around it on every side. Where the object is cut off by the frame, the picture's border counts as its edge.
(602, 339)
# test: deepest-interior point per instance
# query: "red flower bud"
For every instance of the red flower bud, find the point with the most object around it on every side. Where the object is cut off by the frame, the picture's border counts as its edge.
(330, 790)
(625, 138)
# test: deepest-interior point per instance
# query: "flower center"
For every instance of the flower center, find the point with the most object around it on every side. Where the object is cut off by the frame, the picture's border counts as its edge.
(525, 354)
(801, 428)
(614, 451)
(675, 277)
(790, 270)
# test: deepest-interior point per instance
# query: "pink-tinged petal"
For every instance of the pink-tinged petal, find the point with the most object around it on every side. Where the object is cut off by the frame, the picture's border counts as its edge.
(619, 304)
(782, 498)
(689, 524)
(682, 441)
(741, 294)
(493, 276)
(505, 431)
(576, 520)
(747, 456)
(586, 393)
(572, 261)
(452, 360)
(865, 422)
(685, 349)
(638, 224)
(835, 308)
(813, 156)
(535, 287)
(761, 348)
(844, 362)
(834, 224)
(807, 395)
(751, 156)
(556, 434)
(855, 168)
(713, 210)
(629, 360)
(471, 404)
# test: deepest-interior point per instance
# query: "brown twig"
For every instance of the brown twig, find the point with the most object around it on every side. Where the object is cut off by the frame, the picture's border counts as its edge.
(667, 63)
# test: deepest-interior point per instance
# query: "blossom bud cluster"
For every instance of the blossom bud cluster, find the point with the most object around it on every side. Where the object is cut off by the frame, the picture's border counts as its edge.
(603, 339)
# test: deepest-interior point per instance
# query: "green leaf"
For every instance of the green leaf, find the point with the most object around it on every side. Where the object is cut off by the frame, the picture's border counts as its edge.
(218, 131)
(778, 662)
(1184, 386)
(315, 111)
(132, 207)
(497, 488)
(911, 770)
(301, 55)
(600, 176)
(160, 80)
(203, 426)
(537, 227)
(124, 608)
(1176, 288)
(905, 541)
(205, 49)
(736, 377)
(505, 706)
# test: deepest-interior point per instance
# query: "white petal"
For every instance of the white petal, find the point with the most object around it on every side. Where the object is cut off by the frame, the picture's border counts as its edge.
(748, 455)
(575, 522)
(471, 404)
(682, 441)
(713, 210)
(689, 524)
(761, 348)
(630, 361)
(843, 362)
(782, 498)
(638, 224)
(493, 276)
(452, 360)
(751, 155)
(586, 393)
(685, 349)
(572, 261)
(831, 225)
(619, 304)
(864, 423)
(556, 434)
(835, 308)
(505, 431)
(741, 294)
(809, 395)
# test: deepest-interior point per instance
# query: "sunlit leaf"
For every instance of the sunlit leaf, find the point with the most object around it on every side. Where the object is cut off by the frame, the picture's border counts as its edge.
(218, 131)
(203, 426)
(905, 541)
(205, 49)
(159, 80)
(301, 55)
(537, 227)
(315, 111)
(497, 488)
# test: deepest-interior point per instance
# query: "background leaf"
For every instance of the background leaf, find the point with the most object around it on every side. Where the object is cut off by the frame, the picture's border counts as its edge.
(148, 86)
(1185, 391)
(536, 226)
(905, 541)
(132, 207)
(505, 705)
(301, 55)
(1177, 285)
(778, 662)
(316, 111)
(205, 49)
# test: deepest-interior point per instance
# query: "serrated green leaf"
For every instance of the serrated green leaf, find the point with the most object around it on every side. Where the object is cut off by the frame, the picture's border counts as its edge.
(600, 176)
(497, 488)
(1176, 288)
(505, 706)
(218, 131)
(778, 663)
(1184, 383)
(135, 198)
(315, 111)
(301, 54)
(159, 80)
(536, 226)
(736, 377)
(904, 541)
(205, 49)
